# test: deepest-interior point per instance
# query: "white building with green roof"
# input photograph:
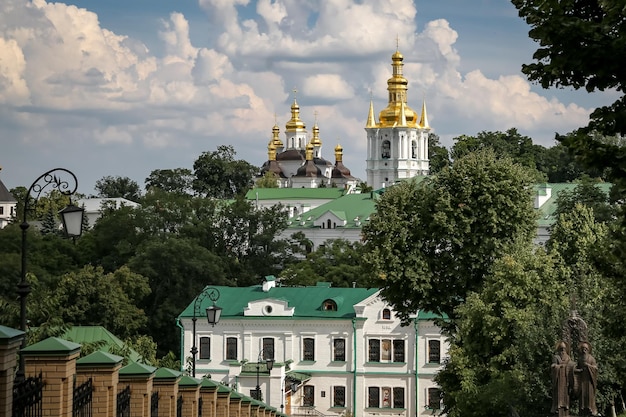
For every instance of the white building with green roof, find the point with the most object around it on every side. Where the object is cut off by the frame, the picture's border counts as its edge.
(336, 350)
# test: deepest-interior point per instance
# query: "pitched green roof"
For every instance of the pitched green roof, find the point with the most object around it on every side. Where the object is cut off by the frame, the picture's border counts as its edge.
(100, 358)
(548, 208)
(93, 334)
(294, 193)
(8, 333)
(52, 345)
(355, 209)
(307, 301)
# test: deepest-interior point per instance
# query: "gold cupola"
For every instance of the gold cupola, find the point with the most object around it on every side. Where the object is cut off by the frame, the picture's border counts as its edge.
(271, 151)
(397, 111)
(278, 144)
(295, 123)
(309, 152)
(315, 140)
(338, 153)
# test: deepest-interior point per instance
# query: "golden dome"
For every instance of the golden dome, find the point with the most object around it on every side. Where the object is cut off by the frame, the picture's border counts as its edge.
(315, 140)
(338, 152)
(309, 152)
(276, 137)
(397, 111)
(271, 151)
(295, 122)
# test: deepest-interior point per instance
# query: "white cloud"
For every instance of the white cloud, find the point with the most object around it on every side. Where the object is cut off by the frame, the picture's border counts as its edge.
(327, 86)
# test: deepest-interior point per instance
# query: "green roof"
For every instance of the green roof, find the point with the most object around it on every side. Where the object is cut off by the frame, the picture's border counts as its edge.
(100, 358)
(548, 208)
(294, 193)
(9, 333)
(52, 345)
(137, 369)
(307, 301)
(355, 209)
(94, 334)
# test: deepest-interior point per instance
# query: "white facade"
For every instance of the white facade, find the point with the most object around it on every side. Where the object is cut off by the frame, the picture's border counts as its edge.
(367, 364)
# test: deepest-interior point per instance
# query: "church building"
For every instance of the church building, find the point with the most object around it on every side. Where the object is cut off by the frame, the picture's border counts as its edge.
(397, 144)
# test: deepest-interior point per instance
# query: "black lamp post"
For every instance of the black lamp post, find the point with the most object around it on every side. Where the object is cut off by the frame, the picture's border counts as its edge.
(72, 217)
(269, 363)
(213, 314)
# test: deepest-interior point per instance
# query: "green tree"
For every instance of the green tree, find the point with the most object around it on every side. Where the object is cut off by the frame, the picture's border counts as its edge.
(118, 187)
(505, 332)
(336, 261)
(437, 153)
(588, 193)
(178, 180)
(269, 180)
(92, 297)
(579, 42)
(219, 175)
(177, 269)
(431, 243)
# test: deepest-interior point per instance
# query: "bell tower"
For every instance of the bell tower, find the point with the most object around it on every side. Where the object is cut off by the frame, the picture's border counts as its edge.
(397, 144)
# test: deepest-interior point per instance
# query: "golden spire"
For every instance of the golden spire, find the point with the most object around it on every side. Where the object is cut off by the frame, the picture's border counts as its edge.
(295, 122)
(315, 140)
(402, 114)
(371, 122)
(397, 88)
(424, 119)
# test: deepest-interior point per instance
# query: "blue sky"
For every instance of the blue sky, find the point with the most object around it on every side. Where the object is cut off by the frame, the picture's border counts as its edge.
(125, 87)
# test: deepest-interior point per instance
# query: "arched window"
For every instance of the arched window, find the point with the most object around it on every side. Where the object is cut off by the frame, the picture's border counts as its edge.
(386, 314)
(329, 305)
(413, 149)
(329, 224)
(386, 150)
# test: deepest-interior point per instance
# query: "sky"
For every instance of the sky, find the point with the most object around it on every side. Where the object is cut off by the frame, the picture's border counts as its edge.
(122, 88)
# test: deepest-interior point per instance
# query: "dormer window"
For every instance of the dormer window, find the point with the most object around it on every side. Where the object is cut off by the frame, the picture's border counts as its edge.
(329, 305)
(386, 314)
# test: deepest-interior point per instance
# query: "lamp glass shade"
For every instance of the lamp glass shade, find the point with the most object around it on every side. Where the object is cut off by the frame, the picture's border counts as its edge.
(72, 217)
(213, 314)
(270, 364)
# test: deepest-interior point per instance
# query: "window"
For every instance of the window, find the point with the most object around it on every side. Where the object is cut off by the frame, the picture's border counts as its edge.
(386, 150)
(398, 397)
(1, 210)
(339, 349)
(205, 348)
(309, 349)
(413, 149)
(329, 305)
(434, 351)
(268, 348)
(339, 396)
(374, 350)
(385, 397)
(309, 396)
(398, 351)
(231, 348)
(386, 314)
(434, 398)
(373, 397)
(386, 350)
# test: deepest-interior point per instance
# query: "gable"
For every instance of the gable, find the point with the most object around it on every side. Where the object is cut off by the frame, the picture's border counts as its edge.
(269, 307)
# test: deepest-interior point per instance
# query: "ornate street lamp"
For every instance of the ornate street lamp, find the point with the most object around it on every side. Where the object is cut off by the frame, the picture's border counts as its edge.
(269, 363)
(72, 217)
(213, 314)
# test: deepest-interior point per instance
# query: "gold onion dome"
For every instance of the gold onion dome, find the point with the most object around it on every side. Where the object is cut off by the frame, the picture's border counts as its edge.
(315, 140)
(295, 122)
(338, 153)
(271, 151)
(276, 137)
(309, 152)
(397, 110)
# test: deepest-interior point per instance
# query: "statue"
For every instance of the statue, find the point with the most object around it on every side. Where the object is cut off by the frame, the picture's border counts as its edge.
(561, 372)
(586, 373)
(574, 379)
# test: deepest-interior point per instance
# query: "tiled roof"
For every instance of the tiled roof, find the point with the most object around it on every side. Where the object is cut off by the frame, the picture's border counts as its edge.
(307, 301)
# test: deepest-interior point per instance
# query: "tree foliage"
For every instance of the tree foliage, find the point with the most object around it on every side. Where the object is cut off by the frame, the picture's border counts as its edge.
(337, 261)
(118, 187)
(503, 344)
(431, 243)
(579, 41)
(178, 180)
(437, 153)
(219, 175)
